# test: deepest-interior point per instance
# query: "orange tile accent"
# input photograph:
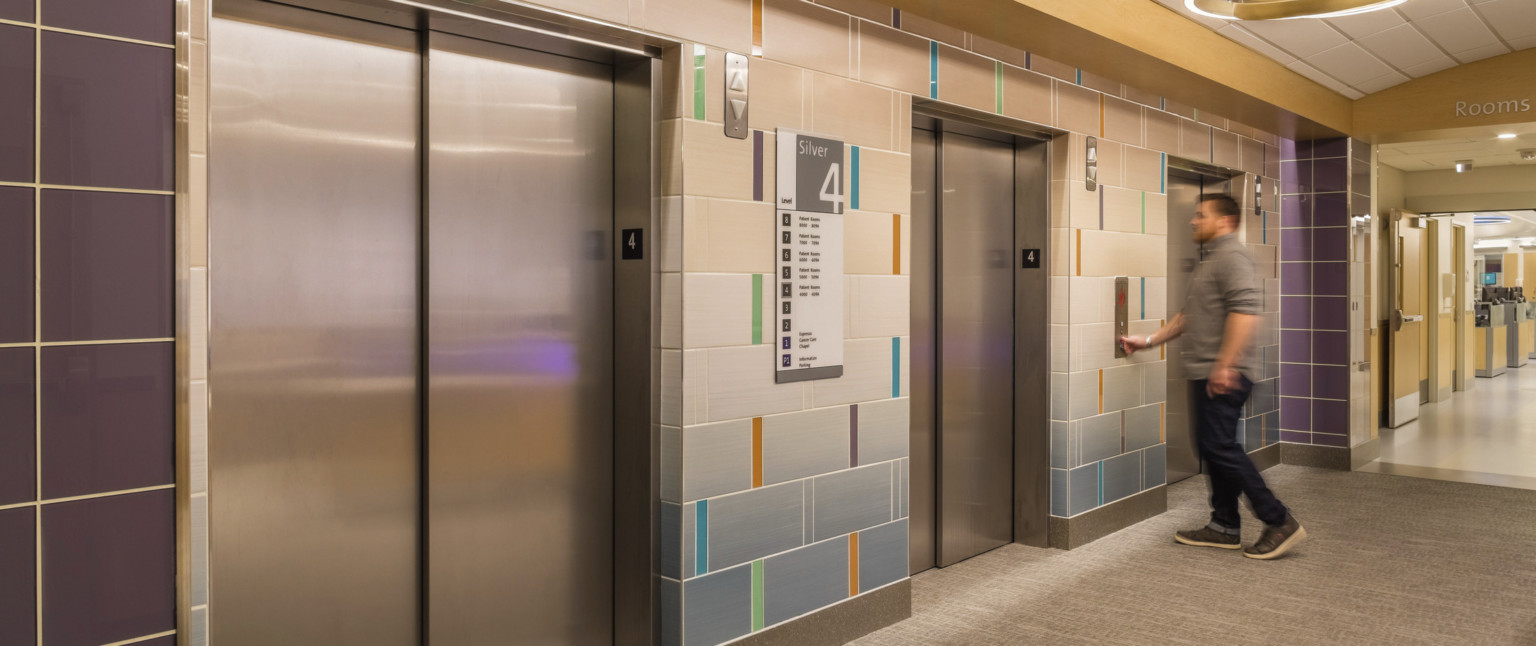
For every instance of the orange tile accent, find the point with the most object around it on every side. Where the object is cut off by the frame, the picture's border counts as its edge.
(1079, 252)
(757, 452)
(1101, 391)
(853, 564)
(896, 246)
(1162, 422)
(757, 27)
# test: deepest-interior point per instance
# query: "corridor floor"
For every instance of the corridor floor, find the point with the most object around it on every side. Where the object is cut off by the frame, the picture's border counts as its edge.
(1485, 435)
(1390, 560)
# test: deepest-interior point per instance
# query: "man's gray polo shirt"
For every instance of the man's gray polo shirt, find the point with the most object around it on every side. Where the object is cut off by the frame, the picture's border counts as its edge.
(1225, 281)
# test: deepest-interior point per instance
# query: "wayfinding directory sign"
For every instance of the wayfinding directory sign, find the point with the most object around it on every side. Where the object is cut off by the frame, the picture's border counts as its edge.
(809, 261)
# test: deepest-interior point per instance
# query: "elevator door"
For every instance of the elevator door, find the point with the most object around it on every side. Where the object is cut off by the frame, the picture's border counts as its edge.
(1184, 190)
(520, 329)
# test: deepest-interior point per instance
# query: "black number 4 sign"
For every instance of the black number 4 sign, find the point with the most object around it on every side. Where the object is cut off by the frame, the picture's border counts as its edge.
(632, 244)
(1031, 258)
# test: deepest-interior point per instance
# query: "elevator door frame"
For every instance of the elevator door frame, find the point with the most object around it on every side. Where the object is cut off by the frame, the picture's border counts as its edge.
(637, 102)
(1031, 317)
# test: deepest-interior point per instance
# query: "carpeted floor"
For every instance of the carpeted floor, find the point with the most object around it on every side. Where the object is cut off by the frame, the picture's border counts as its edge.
(1389, 560)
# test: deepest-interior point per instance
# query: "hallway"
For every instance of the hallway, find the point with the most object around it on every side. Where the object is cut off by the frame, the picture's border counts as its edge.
(1390, 560)
(1486, 435)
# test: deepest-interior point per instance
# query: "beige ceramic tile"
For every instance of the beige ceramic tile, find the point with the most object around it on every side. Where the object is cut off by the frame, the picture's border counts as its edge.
(1241, 130)
(671, 387)
(906, 245)
(1061, 211)
(676, 79)
(1061, 350)
(1252, 156)
(880, 306)
(1170, 105)
(1028, 96)
(1082, 393)
(1063, 242)
(1269, 138)
(722, 23)
(1077, 108)
(617, 11)
(1061, 302)
(866, 9)
(885, 181)
(741, 384)
(1143, 97)
(859, 113)
(1053, 68)
(1157, 213)
(1271, 162)
(1211, 119)
(1162, 131)
(717, 165)
(670, 286)
(992, 49)
(806, 35)
(967, 79)
(717, 310)
(911, 22)
(1083, 205)
(197, 215)
(1111, 162)
(1061, 157)
(695, 386)
(866, 374)
(1111, 253)
(669, 141)
(1123, 121)
(1091, 300)
(869, 244)
(1157, 298)
(1194, 141)
(892, 58)
(1123, 210)
(1226, 149)
(669, 234)
(728, 236)
(902, 104)
(1143, 169)
(714, 85)
(1102, 83)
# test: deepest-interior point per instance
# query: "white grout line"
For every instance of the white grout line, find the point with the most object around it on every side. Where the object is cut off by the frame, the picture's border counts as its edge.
(89, 496)
(37, 307)
(65, 344)
(96, 189)
(145, 638)
(75, 32)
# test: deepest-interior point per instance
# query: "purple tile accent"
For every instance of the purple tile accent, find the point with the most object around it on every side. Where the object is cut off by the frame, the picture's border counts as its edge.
(1330, 416)
(1330, 347)
(1295, 313)
(1295, 211)
(757, 165)
(18, 576)
(1290, 149)
(1328, 439)
(1330, 278)
(1330, 244)
(1321, 148)
(1330, 210)
(16, 263)
(1295, 414)
(1331, 382)
(1296, 244)
(18, 428)
(109, 568)
(1295, 346)
(151, 20)
(1330, 313)
(853, 436)
(16, 102)
(18, 10)
(107, 266)
(107, 113)
(1295, 278)
(1296, 437)
(1330, 175)
(1295, 177)
(1295, 380)
(108, 418)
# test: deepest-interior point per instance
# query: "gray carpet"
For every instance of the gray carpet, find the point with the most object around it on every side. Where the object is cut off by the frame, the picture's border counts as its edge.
(1389, 560)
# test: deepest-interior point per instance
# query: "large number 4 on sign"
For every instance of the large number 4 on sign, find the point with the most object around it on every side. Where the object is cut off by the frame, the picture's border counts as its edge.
(832, 188)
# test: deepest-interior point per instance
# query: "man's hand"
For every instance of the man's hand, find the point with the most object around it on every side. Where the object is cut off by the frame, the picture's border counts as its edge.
(1223, 380)
(1132, 344)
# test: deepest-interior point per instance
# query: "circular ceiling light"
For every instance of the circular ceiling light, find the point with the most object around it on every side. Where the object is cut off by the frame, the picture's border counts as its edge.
(1283, 9)
(1491, 219)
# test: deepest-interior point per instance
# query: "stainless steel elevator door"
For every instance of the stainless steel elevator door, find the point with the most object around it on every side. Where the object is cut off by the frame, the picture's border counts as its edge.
(975, 348)
(925, 179)
(313, 436)
(520, 347)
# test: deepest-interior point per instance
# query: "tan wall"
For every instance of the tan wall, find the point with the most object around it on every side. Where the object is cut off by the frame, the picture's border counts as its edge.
(1496, 188)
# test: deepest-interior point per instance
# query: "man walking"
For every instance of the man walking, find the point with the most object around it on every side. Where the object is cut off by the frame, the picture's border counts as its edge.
(1218, 324)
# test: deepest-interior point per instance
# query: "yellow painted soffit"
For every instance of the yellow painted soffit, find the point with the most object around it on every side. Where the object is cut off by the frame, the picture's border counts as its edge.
(1425, 108)
(1148, 46)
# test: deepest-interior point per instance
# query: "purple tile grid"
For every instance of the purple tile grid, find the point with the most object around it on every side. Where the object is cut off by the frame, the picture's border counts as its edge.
(1329, 382)
(108, 418)
(18, 576)
(107, 110)
(17, 281)
(151, 20)
(1291, 149)
(1330, 243)
(1298, 437)
(106, 266)
(1295, 346)
(17, 92)
(1295, 211)
(1330, 278)
(1330, 348)
(1295, 177)
(18, 427)
(1330, 416)
(1330, 175)
(1296, 312)
(1321, 148)
(1295, 414)
(1330, 313)
(1330, 439)
(1330, 210)
(1295, 380)
(1295, 244)
(18, 10)
(109, 568)
(1295, 278)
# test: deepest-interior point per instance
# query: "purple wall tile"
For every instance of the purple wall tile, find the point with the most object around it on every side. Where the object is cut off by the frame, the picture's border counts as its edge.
(108, 418)
(107, 113)
(1330, 210)
(1330, 175)
(1295, 211)
(1295, 414)
(16, 278)
(1330, 244)
(18, 572)
(109, 568)
(1296, 312)
(107, 266)
(16, 103)
(1330, 416)
(1295, 380)
(1290, 149)
(1330, 347)
(1331, 382)
(1330, 313)
(1297, 437)
(1296, 244)
(1327, 439)
(151, 20)
(169, 640)
(18, 10)
(18, 428)
(1295, 346)
(1296, 278)
(1295, 177)
(1328, 279)
(1321, 148)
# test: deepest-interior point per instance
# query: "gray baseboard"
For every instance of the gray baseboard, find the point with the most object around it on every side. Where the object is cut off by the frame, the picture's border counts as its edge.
(1311, 455)
(1266, 457)
(1365, 453)
(841, 623)
(1085, 528)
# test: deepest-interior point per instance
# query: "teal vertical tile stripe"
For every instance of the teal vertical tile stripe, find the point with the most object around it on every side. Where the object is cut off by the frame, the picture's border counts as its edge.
(933, 69)
(1079, 77)
(757, 309)
(895, 366)
(853, 180)
(1101, 482)
(1143, 287)
(997, 73)
(701, 537)
(1162, 166)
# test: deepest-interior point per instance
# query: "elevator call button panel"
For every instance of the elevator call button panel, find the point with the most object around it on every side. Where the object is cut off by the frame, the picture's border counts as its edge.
(1122, 326)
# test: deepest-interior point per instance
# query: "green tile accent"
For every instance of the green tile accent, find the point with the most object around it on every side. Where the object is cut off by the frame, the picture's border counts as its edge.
(997, 67)
(698, 82)
(757, 595)
(757, 309)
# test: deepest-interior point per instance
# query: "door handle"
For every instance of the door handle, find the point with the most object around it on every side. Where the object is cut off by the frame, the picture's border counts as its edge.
(1398, 319)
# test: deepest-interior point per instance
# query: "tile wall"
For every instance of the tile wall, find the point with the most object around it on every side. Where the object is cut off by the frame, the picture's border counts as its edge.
(87, 392)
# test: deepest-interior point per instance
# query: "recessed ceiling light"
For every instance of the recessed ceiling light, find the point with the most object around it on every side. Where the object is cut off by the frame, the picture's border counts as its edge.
(1282, 9)
(1463, 165)
(1507, 135)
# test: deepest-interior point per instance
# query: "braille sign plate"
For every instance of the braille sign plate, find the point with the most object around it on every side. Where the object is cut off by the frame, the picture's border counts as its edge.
(808, 271)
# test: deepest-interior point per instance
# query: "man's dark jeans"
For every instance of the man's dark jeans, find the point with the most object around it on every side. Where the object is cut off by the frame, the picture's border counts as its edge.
(1230, 471)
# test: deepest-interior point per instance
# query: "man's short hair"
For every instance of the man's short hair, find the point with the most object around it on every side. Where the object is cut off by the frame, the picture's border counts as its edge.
(1225, 205)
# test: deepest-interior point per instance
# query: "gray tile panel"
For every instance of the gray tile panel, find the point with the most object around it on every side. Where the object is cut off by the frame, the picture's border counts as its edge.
(1253, 433)
(670, 593)
(805, 580)
(851, 500)
(689, 540)
(1154, 466)
(1099, 437)
(1059, 492)
(1060, 401)
(1122, 387)
(903, 487)
(885, 428)
(1154, 382)
(1083, 490)
(1271, 428)
(1122, 476)
(717, 608)
(671, 463)
(883, 555)
(804, 444)
(1061, 444)
(670, 552)
(717, 459)
(748, 526)
(1143, 427)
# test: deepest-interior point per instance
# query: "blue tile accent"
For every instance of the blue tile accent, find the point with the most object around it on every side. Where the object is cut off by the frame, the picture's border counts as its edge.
(671, 593)
(1122, 476)
(853, 179)
(1154, 466)
(1143, 289)
(670, 518)
(1101, 484)
(1060, 495)
(805, 580)
(701, 537)
(1162, 165)
(933, 69)
(717, 608)
(883, 555)
(895, 366)
(1079, 77)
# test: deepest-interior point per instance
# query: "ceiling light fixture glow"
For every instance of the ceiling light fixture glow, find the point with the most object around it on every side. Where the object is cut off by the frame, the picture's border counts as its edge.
(1463, 165)
(1507, 135)
(1284, 9)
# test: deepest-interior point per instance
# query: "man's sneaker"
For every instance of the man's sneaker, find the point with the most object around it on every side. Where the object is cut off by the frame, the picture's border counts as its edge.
(1207, 537)
(1276, 541)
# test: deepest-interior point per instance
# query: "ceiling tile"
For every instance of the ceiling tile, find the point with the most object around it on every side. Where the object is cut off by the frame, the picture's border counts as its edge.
(1302, 38)
(1425, 69)
(1402, 47)
(1349, 63)
(1304, 69)
(1364, 24)
(1247, 39)
(1457, 31)
(1522, 43)
(1416, 9)
(1381, 83)
(1480, 53)
(1512, 19)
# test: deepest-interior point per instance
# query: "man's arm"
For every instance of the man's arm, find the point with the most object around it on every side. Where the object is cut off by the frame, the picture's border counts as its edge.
(1239, 330)
(1169, 332)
